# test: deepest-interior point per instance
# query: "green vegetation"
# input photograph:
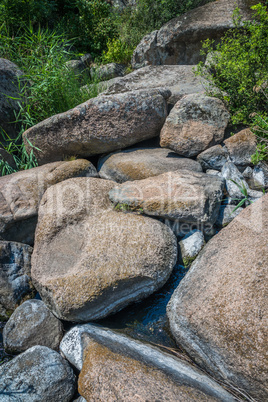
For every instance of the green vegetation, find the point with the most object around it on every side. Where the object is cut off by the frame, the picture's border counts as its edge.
(238, 72)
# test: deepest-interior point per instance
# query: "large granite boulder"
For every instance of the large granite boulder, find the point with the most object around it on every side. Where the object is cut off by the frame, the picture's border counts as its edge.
(110, 360)
(179, 41)
(218, 313)
(100, 125)
(196, 123)
(11, 85)
(183, 196)
(140, 163)
(15, 275)
(21, 192)
(38, 375)
(89, 260)
(31, 324)
(180, 80)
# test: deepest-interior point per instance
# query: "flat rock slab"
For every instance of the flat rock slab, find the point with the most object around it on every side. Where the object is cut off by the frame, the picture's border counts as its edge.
(100, 125)
(90, 261)
(15, 274)
(112, 360)
(38, 375)
(32, 323)
(180, 80)
(196, 123)
(138, 163)
(183, 195)
(179, 41)
(218, 312)
(21, 192)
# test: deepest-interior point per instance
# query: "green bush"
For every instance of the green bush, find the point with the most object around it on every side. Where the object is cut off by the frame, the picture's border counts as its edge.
(238, 71)
(118, 52)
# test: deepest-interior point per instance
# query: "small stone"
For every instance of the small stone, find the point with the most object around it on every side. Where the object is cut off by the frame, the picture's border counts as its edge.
(191, 245)
(32, 324)
(213, 172)
(15, 274)
(260, 174)
(108, 71)
(248, 173)
(226, 214)
(213, 158)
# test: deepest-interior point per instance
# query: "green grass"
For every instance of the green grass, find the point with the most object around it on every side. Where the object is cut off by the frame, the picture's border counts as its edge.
(48, 86)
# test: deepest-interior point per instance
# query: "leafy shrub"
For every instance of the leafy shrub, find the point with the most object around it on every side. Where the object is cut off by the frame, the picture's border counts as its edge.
(118, 52)
(238, 71)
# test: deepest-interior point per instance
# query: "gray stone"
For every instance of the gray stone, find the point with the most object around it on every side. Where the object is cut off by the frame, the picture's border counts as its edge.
(235, 181)
(213, 158)
(10, 95)
(140, 163)
(108, 71)
(226, 214)
(179, 41)
(180, 80)
(213, 172)
(21, 192)
(183, 196)
(89, 260)
(100, 125)
(196, 123)
(248, 173)
(191, 245)
(260, 174)
(80, 66)
(218, 312)
(15, 269)
(117, 360)
(38, 375)
(32, 324)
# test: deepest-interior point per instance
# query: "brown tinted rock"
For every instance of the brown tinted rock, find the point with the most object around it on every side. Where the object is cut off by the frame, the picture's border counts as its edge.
(15, 274)
(179, 41)
(180, 80)
(10, 75)
(100, 125)
(218, 313)
(89, 260)
(182, 195)
(21, 192)
(196, 123)
(138, 163)
(117, 368)
(32, 324)
(241, 147)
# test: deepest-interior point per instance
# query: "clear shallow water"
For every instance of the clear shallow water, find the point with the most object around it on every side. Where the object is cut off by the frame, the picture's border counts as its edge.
(147, 320)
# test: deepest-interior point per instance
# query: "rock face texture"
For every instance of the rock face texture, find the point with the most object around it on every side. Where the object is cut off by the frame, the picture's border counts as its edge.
(196, 123)
(21, 192)
(180, 80)
(32, 324)
(138, 163)
(89, 260)
(241, 147)
(15, 268)
(100, 125)
(9, 88)
(185, 196)
(37, 375)
(218, 312)
(179, 40)
(112, 360)
(213, 158)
